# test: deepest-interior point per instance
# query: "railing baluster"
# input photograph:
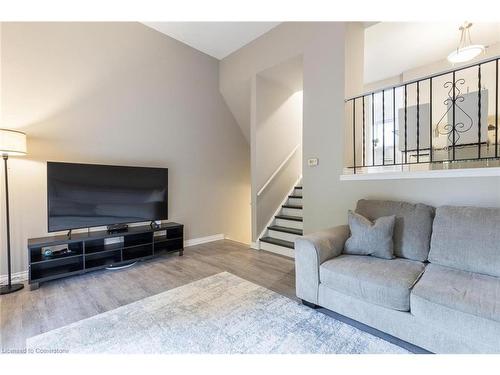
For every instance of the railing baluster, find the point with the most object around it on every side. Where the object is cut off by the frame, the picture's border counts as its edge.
(453, 118)
(373, 129)
(383, 127)
(430, 121)
(406, 124)
(496, 111)
(393, 125)
(418, 121)
(364, 143)
(479, 111)
(354, 134)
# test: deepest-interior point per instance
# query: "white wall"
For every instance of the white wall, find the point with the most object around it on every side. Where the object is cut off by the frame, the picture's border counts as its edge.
(326, 198)
(279, 126)
(354, 58)
(120, 93)
(353, 82)
(236, 70)
(394, 47)
(425, 70)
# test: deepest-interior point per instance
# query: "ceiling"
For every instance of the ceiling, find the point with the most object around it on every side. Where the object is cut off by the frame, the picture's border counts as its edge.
(217, 39)
(394, 47)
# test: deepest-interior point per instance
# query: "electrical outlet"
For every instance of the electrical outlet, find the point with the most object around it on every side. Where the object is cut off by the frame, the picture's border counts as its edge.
(312, 162)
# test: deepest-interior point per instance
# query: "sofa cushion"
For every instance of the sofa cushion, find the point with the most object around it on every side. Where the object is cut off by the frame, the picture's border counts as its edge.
(467, 238)
(370, 238)
(383, 282)
(413, 227)
(468, 292)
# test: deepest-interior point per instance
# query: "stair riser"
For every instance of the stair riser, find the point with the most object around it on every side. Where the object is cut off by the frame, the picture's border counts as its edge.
(282, 235)
(297, 192)
(277, 249)
(289, 223)
(294, 201)
(291, 211)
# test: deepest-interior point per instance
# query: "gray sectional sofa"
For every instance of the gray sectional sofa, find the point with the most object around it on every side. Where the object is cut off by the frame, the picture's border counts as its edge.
(441, 292)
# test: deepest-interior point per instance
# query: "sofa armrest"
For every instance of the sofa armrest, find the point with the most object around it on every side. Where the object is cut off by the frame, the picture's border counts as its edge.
(310, 252)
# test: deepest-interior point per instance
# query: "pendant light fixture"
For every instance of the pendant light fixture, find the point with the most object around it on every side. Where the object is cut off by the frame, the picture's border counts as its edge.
(466, 50)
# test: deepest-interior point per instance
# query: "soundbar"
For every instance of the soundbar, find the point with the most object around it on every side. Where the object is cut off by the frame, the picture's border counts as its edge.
(117, 228)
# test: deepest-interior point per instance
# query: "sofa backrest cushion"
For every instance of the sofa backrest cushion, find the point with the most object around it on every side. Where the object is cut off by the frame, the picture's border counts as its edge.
(413, 227)
(467, 238)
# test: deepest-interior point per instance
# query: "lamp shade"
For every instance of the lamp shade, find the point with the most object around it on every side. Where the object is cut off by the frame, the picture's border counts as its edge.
(465, 54)
(12, 142)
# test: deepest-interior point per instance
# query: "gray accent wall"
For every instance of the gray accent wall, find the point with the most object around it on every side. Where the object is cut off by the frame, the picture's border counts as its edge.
(125, 94)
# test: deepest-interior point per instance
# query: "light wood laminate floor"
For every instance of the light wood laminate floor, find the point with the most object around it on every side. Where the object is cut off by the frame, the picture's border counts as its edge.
(61, 302)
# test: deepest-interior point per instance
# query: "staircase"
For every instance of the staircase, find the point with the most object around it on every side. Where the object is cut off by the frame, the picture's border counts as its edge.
(285, 227)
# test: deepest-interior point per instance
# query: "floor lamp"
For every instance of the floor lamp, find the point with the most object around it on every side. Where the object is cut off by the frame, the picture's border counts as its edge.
(13, 143)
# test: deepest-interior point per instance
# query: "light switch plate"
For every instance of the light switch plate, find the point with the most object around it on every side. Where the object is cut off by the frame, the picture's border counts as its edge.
(312, 162)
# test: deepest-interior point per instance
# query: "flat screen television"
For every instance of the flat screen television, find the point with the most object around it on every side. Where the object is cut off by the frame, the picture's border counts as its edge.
(90, 195)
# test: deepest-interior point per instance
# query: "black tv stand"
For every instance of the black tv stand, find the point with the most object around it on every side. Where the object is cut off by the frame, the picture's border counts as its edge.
(90, 251)
(122, 266)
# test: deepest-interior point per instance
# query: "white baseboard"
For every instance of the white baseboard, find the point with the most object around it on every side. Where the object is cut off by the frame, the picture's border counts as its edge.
(23, 275)
(16, 277)
(237, 241)
(200, 240)
(255, 245)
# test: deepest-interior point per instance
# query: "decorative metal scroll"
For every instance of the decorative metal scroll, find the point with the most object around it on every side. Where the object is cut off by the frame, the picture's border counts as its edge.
(453, 131)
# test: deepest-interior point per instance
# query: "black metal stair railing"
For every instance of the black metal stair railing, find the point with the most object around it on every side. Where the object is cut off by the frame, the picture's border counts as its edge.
(395, 126)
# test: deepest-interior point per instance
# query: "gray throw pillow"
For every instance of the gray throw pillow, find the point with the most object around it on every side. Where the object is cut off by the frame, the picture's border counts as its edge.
(370, 238)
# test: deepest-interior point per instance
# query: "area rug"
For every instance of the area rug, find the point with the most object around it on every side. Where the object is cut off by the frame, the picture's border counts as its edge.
(221, 314)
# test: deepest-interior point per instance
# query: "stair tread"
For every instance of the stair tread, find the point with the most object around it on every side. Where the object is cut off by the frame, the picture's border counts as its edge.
(278, 242)
(295, 196)
(280, 228)
(296, 206)
(298, 187)
(289, 217)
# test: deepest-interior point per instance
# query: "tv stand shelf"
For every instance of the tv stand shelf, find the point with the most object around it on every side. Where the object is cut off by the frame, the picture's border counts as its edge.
(92, 251)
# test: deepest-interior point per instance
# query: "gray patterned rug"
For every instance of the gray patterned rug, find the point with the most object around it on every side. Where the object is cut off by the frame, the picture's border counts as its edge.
(219, 314)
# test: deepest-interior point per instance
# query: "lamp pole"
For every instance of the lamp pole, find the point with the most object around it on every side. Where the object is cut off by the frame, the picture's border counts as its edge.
(9, 288)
